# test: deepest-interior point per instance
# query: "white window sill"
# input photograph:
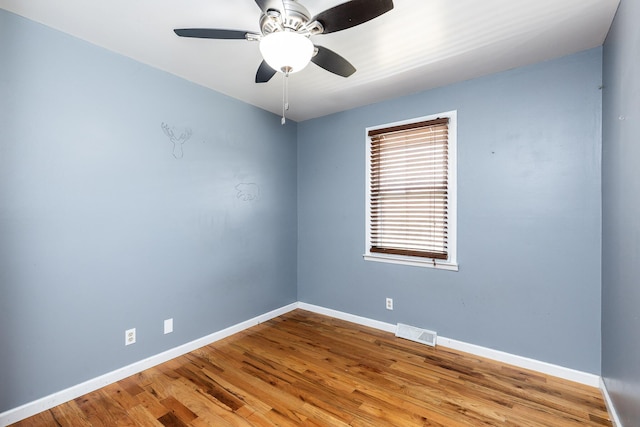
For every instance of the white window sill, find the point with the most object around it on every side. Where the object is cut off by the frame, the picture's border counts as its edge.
(414, 261)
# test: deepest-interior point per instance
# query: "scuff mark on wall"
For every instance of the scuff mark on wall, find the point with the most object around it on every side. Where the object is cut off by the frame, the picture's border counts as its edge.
(248, 192)
(178, 137)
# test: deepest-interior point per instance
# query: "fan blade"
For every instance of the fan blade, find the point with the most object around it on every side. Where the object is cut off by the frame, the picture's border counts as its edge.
(211, 33)
(352, 13)
(265, 72)
(332, 62)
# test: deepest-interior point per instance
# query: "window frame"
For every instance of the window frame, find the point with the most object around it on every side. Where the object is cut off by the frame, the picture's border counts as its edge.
(451, 263)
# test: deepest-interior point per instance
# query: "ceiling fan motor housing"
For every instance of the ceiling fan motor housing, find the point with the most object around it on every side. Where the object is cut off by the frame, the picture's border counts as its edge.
(296, 18)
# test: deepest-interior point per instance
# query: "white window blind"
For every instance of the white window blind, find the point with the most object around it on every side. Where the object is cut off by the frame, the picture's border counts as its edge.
(409, 197)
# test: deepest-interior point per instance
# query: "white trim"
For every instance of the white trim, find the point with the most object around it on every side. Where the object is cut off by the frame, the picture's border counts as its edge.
(364, 321)
(413, 261)
(16, 414)
(615, 419)
(500, 356)
(523, 362)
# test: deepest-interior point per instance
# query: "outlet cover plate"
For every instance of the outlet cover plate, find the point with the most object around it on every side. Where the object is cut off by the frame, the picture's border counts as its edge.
(130, 336)
(168, 326)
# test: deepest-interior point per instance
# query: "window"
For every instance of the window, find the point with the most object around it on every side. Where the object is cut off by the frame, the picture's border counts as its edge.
(411, 192)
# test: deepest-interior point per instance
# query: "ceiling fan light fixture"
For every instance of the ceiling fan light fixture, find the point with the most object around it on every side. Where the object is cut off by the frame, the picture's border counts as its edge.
(286, 51)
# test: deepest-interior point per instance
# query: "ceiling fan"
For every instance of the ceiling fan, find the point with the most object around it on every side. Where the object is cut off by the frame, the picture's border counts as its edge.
(285, 29)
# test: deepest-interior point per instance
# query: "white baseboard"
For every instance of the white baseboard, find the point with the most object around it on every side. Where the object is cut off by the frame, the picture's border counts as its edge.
(511, 359)
(383, 326)
(14, 415)
(612, 409)
(48, 402)
(523, 362)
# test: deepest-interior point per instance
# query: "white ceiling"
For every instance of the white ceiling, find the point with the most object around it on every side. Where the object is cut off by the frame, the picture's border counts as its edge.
(418, 45)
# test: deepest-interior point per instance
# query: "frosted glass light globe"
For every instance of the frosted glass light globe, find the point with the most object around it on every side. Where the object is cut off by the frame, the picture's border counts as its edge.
(286, 51)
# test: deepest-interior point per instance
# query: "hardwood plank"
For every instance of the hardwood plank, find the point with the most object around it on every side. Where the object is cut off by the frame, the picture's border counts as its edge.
(171, 420)
(139, 416)
(100, 409)
(307, 369)
(71, 415)
(118, 394)
(181, 412)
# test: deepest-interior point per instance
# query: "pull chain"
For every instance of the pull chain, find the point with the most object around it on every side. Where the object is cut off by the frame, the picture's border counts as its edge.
(285, 95)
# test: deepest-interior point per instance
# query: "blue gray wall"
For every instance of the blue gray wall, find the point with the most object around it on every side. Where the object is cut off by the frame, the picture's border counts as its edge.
(621, 214)
(529, 217)
(102, 229)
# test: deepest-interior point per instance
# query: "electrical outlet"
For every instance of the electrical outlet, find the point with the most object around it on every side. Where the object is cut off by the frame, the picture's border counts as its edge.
(168, 326)
(130, 336)
(389, 303)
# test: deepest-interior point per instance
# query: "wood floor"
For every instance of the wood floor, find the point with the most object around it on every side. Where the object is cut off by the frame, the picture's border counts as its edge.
(304, 369)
